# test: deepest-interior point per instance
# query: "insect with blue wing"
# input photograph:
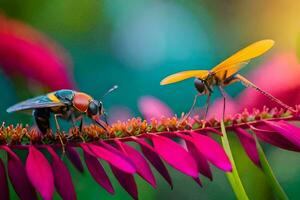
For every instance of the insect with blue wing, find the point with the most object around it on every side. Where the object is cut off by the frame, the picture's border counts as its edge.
(66, 104)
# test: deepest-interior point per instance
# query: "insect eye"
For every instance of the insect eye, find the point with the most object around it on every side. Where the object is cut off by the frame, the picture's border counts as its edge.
(93, 108)
(200, 86)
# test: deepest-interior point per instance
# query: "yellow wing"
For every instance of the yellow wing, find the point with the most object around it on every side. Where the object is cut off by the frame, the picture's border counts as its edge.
(228, 71)
(180, 76)
(243, 56)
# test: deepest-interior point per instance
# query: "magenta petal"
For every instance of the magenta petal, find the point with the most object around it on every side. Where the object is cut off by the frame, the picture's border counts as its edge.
(150, 153)
(212, 151)
(197, 180)
(126, 181)
(97, 171)
(249, 145)
(289, 131)
(264, 133)
(62, 177)
(202, 163)
(28, 53)
(175, 155)
(113, 158)
(142, 167)
(4, 194)
(40, 173)
(18, 176)
(74, 157)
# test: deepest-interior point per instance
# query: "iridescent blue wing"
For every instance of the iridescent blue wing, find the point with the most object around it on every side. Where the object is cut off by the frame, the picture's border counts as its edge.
(42, 101)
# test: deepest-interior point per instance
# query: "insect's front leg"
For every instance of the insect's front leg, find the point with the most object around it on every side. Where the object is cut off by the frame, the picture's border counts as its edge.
(105, 117)
(207, 105)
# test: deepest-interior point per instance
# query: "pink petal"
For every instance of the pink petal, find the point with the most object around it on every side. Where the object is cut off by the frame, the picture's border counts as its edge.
(126, 181)
(114, 157)
(212, 151)
(175, 155)
(4, 194)
(207, 130)
(264, 133)
(249, 145)
(24, 51)
(143, 168)
(18, 176)
(33, 62)
(197, 180)
(40, 173)
(150, 153)
(286, 89)
(289, 131)
(216, 110)
(119, 113)
(97, 171)
(74, 157)
(152, 107)
(202, 163)
(62, 177)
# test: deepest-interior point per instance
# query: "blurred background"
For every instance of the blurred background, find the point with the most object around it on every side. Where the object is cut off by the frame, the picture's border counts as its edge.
(92, 45)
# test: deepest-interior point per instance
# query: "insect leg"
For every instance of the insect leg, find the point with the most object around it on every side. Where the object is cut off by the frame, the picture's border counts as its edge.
(105, 118)
(191, 109)
(207, 105)
(102, 126)
(81, 124)
(224, 100)
(247, 83)
(59, 133)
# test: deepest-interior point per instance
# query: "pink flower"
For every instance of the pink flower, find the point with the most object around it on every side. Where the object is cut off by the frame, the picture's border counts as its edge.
(155, 139)
(151, 107)
(26, 52)
(278, 76)
(118, 113)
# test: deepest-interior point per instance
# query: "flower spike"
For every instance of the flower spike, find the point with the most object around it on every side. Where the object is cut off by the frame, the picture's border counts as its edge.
(155, 139)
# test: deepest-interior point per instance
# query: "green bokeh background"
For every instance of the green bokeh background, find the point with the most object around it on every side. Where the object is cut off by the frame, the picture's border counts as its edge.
(134, 44)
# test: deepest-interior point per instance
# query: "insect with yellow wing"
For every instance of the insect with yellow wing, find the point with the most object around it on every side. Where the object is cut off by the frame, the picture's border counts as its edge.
(225, 74)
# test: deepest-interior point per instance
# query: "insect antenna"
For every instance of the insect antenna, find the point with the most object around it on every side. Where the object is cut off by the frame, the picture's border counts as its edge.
(110, 90)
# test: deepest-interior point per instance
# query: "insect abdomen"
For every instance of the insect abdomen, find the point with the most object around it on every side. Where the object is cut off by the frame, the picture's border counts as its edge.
(42, 116)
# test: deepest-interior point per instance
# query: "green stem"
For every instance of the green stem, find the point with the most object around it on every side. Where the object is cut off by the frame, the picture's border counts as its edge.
(273, 182)
(233, 177)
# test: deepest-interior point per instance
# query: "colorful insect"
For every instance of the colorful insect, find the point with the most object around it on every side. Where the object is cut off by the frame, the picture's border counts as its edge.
(224, 74)
(66, 104)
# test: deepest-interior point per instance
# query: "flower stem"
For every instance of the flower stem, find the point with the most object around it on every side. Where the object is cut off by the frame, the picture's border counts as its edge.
(233, 177)
(273, 182)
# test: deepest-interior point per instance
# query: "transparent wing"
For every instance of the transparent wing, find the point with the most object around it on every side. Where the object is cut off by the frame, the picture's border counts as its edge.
(37, 102)
(235, 62)
(180, 76)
